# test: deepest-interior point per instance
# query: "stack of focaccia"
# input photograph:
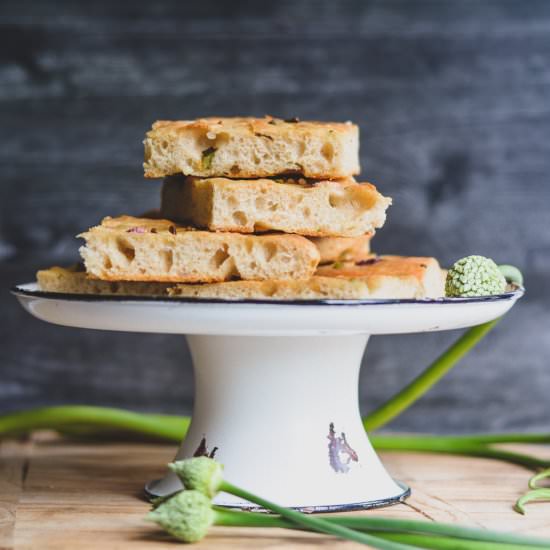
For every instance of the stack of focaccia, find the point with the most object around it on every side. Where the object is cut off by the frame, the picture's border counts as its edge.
(250, 209)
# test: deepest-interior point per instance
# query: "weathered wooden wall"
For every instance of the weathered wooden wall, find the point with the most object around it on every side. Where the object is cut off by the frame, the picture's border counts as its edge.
(453, 103)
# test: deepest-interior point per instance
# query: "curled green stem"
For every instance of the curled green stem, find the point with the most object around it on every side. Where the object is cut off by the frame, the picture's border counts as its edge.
(511, 273)
(534, 481)
(536, 494)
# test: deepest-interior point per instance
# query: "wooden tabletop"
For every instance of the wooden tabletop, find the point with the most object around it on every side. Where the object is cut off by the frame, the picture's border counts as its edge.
(66, 495)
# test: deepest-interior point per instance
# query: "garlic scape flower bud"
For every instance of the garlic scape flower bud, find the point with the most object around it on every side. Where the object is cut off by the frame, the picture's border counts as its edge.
(188, 515)
(474, 276)
(200, 473)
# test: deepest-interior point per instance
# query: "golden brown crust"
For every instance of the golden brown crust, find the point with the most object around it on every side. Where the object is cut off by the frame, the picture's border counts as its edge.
(393, 276)
(268, 124)
(73, 280)
(380, 266)
(146, 225)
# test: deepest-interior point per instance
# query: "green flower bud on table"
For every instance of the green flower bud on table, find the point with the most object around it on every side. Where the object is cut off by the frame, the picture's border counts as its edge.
(200, 473)
(187, 515)
(474, 276)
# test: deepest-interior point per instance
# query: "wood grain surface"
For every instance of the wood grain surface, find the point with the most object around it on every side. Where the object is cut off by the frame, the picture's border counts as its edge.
(61, 495)
(452, 102)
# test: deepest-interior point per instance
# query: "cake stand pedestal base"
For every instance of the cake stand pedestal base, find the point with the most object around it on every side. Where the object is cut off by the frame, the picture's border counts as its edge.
(281, 413)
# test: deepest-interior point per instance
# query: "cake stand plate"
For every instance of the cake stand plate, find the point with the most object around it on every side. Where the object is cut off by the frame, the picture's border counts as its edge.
(276, 396)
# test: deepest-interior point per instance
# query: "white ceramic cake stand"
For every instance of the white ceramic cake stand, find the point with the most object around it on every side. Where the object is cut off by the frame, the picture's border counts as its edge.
(276, 384)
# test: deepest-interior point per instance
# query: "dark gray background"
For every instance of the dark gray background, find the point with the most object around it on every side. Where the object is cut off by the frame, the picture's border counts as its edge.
(453, 100)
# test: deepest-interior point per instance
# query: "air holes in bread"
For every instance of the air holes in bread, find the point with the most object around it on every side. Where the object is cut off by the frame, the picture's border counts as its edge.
(167, 257)
(362, 202)
(336, 200)
(221, 138)
(126, 249)
(269, 251)
(260, 203)
(269, 289)
(220, 256)
(327, 151)
(239, 217)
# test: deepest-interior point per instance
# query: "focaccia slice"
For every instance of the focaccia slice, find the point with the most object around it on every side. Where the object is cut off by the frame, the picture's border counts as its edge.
(143, 249)
(342, 208)
(331, 249)
(380, 277)
(243, 147)
(393, 276)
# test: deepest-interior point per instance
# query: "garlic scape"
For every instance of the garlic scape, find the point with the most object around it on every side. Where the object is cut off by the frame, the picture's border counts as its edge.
(203, 474)
(474, 276)
(189, 514)
(480, 276)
